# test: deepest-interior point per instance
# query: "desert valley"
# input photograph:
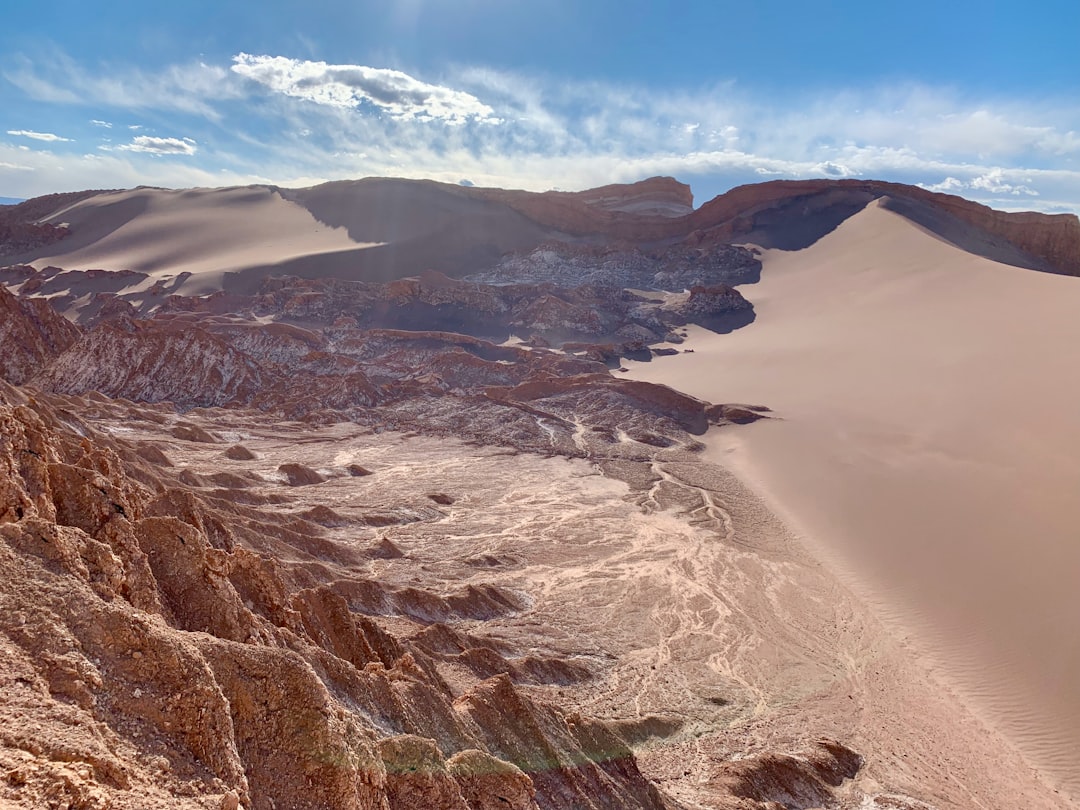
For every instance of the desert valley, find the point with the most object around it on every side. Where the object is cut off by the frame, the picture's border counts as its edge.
(391, 494)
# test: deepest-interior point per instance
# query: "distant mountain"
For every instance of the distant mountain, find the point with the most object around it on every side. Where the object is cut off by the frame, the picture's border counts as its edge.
(380, 229)
(10, 200)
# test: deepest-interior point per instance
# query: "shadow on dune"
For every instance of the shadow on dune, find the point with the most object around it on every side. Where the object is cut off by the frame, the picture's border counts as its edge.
(963, 235)
(801, 221)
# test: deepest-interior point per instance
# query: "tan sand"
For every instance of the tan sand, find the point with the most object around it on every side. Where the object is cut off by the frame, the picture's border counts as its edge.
(373, 230)
(928, 449)
(204, 232)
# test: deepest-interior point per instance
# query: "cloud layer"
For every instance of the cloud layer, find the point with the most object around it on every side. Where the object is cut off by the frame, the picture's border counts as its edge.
(279, 119)
(392, 92)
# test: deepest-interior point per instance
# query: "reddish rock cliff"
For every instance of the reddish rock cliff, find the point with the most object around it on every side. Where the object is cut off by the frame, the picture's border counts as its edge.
(31, 334)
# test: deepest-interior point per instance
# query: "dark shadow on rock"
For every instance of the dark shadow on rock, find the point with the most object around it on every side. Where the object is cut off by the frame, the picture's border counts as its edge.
(728, 322)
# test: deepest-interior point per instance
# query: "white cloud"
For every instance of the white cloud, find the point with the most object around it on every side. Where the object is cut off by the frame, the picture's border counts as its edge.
(831, 169)
(394, 93)
(566, 133)
(99, 123)
(37, 136)
(161, 146)
(996, 181)
(950, 185)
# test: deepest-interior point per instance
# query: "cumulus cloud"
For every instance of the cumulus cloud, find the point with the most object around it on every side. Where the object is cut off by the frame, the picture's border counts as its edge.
(392, 92)
(37, 136)
(831, 169)
(996, 181)
(291, 118)
(161, 146)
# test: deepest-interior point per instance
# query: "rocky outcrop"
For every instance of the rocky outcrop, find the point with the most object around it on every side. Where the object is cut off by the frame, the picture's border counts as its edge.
(805, 779)
(21, 237)
(151, 363)
(720, 308)
(20, 229)
(188, 667)
(32, 335)
(672, 267)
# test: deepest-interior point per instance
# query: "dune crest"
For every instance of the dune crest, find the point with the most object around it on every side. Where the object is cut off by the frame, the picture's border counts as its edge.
(927, 442)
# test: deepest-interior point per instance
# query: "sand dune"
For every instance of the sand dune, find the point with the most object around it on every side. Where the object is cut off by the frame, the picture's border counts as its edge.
(232, 238)
(928, 448)
(204, 232)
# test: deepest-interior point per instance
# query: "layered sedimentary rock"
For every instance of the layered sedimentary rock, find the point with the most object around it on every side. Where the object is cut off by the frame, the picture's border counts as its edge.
(32, 334)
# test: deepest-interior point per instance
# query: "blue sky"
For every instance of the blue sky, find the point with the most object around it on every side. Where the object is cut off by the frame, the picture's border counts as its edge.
(979, 99)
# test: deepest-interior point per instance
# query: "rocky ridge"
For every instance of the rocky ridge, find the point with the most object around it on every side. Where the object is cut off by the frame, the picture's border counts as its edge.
(763, 212)
(460, 231)
(214, 640)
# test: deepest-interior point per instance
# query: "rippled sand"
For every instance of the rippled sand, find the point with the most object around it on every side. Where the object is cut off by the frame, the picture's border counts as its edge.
(928, 447)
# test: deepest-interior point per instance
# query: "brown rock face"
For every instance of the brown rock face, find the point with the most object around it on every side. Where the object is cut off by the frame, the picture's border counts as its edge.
(32, 335)
(154, 363)
(488, 783)
(298, 475)
(239, 453)
(165, 656)
(417, 775)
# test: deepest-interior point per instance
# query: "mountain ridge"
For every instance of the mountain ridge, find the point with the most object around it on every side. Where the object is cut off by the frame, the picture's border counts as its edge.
(385, 228)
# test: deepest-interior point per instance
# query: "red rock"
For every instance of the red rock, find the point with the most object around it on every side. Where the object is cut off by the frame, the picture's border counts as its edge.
(32, 335)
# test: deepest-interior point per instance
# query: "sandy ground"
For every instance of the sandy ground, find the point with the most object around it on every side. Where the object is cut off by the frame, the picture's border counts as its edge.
(928, 448)
(711, 633)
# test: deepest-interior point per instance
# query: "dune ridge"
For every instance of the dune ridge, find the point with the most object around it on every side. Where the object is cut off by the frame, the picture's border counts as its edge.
(926, 443)
(378, 229)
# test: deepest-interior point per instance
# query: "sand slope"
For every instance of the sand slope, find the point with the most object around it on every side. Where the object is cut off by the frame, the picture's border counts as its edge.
(929, 448)
(204, 232)
(232, 238)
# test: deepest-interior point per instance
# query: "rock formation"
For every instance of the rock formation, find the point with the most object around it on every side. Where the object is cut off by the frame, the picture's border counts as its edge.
(32, 335)
(460, 231)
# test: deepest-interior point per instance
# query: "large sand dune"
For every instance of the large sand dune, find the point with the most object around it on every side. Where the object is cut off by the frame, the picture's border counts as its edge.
(928, 446)
(233, 238)
(201, 232)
